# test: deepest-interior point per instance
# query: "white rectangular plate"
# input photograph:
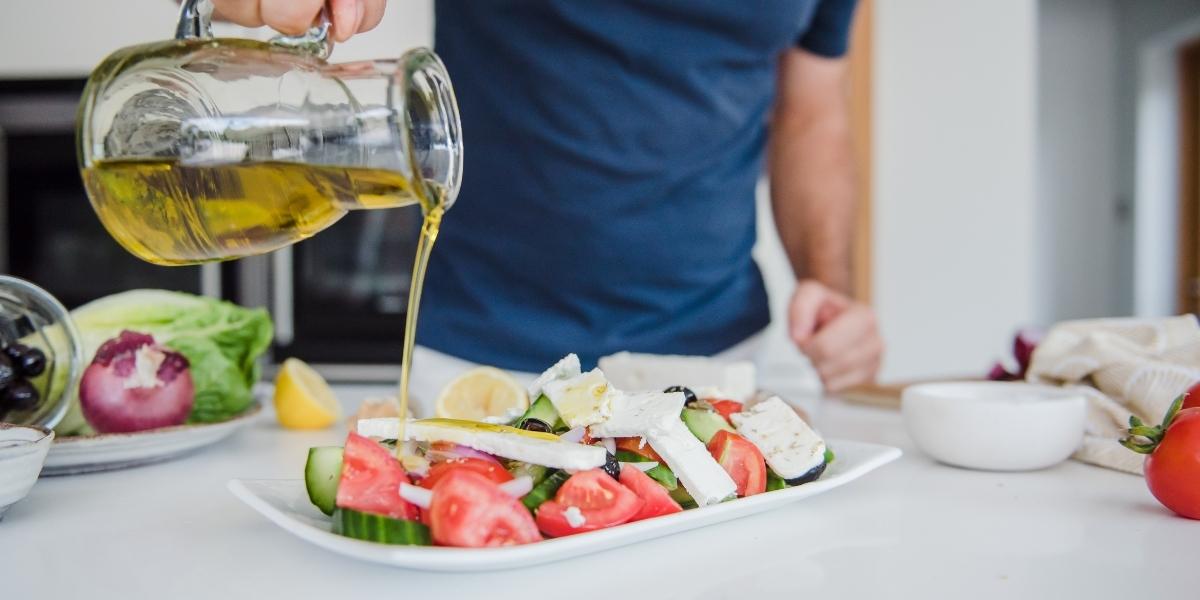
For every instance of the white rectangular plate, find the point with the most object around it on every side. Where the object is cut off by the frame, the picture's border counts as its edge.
(285, 503)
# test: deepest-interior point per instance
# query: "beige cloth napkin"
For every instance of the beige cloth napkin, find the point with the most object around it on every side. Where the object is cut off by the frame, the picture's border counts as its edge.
(1126, 366)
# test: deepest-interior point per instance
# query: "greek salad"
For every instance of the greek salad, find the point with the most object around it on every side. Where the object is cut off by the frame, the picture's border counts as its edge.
(584, 456)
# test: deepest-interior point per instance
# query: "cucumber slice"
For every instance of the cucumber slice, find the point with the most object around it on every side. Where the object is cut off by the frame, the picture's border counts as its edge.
(380, 529)
(321, 475)
(543, 410)
(682, 496)
(544, 490)
(537, 473)
(661, 473)
(704, 424)
(775, 482)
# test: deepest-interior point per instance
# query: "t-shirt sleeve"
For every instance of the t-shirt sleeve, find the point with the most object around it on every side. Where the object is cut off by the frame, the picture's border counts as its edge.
(828, 33)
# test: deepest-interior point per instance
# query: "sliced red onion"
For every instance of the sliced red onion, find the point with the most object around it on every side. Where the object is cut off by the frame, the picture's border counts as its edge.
(641, 466)
(574, 436)
(518, 487)
(416, 495)
(443, 451)
(610, 445)
(1000, 373)
(1024, 344)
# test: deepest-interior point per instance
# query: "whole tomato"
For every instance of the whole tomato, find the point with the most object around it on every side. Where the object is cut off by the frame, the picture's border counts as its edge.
(1173, 458)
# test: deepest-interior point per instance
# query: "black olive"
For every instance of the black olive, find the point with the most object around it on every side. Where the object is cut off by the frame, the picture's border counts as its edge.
(21, 395)
(31, 362)
(532, 424)
(812, 475)
(612, 466)
(14, 351)
(688, 395)
(8, 373)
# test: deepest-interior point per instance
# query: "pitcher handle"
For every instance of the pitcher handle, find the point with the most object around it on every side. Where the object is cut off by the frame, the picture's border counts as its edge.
(195, 22)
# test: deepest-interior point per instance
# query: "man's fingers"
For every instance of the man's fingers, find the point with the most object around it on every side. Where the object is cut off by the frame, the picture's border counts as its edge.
(346, 16)
(373, 14)
(240, 12)
(852, 378)
(840, 334)
(291, 17)
(812, 304)
(862, 355)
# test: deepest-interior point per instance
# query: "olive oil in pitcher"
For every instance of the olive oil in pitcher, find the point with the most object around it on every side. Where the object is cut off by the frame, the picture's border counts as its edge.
(172, 214)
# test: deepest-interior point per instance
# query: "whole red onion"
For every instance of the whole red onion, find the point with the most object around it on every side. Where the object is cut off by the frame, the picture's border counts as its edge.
(134, 384)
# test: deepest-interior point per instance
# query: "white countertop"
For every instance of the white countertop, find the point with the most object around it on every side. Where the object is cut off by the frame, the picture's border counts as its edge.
(911, 529)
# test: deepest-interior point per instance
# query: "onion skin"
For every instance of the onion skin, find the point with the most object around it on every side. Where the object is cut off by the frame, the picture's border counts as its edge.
(115, 400)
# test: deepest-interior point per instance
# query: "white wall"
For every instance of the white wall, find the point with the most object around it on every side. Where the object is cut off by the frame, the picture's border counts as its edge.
(955, 183)
(66, 38)
(1078, 188)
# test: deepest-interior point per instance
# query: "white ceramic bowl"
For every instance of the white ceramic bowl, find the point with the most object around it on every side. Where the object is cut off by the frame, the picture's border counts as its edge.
(22, 452)
(999, 426)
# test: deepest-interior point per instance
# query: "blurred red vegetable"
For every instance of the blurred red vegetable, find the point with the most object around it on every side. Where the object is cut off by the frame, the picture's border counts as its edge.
(1024, 343)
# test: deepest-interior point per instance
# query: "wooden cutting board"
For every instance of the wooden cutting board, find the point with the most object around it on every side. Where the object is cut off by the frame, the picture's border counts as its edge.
(887, 395)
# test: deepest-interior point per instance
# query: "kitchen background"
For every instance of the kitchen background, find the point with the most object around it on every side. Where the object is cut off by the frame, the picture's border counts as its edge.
(1024, 168)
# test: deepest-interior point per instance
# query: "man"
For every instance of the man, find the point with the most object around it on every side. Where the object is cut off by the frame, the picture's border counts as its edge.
(608, 201)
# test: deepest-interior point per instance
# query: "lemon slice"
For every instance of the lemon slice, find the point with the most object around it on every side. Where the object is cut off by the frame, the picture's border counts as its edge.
(302, 398)
(480, 393)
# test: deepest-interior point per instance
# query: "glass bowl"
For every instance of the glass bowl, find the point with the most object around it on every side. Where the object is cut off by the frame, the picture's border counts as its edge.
(30, 315)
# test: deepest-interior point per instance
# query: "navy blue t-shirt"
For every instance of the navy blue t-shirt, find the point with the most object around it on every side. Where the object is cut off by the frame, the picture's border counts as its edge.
(611, 154)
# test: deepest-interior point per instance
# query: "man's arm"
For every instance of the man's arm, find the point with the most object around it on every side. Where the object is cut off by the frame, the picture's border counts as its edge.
(813, 200)
(812, 167)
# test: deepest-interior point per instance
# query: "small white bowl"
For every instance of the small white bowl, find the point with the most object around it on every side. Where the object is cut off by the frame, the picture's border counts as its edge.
(995, 426)
(22, 452)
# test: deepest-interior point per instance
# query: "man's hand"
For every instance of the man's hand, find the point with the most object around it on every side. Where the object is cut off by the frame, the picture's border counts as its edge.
(293, 17)
(839, 334)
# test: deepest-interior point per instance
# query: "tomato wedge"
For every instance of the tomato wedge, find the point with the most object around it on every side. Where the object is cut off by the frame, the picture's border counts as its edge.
(638, 446)
(657, 501)
(371, 479)
(471, 511)
(488, 468)
(726, 407)
(742, 460)
(588, 501)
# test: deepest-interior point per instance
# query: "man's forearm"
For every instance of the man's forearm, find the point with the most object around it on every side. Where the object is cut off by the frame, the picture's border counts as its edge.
(812, 181)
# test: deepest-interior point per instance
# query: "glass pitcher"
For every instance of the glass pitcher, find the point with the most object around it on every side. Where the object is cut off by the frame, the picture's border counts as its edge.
(201, 149)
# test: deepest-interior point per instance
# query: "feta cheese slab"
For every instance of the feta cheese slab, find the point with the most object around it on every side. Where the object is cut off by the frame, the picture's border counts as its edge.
(630, 371)
(654, 416)
(566, 368)
(790, 446)
(701, 475)
(509, 442)
(582, 400)
(635, 414)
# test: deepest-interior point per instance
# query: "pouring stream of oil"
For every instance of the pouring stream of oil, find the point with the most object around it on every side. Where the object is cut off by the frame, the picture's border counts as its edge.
(429, 233)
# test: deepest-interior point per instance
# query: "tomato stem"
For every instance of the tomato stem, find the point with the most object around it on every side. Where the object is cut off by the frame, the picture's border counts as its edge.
(1152, 434)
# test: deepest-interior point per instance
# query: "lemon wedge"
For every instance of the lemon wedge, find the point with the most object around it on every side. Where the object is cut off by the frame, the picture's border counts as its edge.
(302, 398)
(480, 393)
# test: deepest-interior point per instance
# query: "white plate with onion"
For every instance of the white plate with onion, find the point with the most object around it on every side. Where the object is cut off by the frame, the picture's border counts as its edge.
(285, 503)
